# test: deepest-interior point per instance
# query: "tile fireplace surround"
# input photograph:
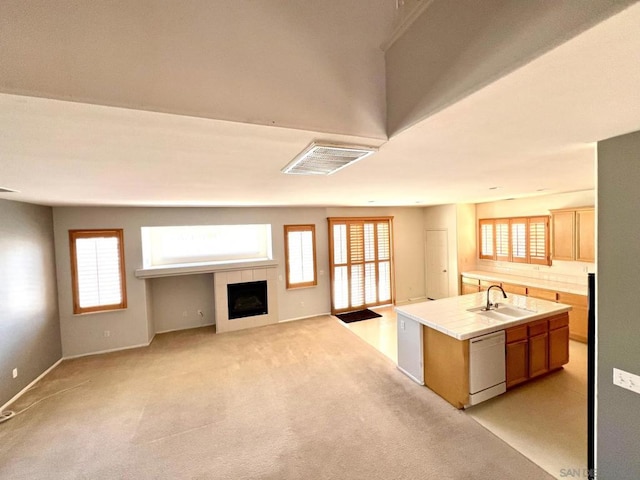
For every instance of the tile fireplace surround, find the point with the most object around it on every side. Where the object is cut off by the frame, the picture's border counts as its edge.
(241, 275)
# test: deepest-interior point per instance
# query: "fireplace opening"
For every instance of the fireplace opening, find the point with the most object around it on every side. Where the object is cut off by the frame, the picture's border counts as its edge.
(247, 299)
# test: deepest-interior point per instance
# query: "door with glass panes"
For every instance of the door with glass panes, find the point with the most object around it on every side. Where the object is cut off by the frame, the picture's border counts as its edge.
(361, 263)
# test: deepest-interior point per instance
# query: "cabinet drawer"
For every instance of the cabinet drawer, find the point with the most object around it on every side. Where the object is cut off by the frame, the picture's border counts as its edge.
(572, 299)
(542, 294)
(538, 327)
(516, 289)
(516, 334)
(559, 321)
(485, 284)
(470, 281)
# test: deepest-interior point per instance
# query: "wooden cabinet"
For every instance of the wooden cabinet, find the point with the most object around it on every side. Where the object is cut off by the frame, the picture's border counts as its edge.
(573, 234)
(517, 355)
(542, 294)
(470, 285)
(516, 289)
(485, 284)
(536, 348)
(585, 235)
(578, 316)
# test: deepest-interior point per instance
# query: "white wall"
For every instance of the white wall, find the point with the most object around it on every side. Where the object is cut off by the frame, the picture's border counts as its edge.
(571, 272)
(444, 217)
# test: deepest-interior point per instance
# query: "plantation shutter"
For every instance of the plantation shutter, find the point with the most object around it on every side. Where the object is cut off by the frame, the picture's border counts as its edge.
(486, 239)
(519, 240)
(360, 263)
(97, 270)
(300, 252)
(539, 240)
(502, 239)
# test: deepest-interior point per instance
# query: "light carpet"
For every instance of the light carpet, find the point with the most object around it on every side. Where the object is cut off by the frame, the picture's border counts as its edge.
(298, 400)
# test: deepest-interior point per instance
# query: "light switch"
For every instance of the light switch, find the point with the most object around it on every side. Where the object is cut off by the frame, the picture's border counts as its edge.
(626, 380)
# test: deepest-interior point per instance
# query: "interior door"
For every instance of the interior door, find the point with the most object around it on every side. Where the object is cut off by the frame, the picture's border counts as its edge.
(437, 264)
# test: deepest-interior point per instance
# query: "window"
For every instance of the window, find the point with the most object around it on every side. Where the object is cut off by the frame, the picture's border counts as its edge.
(361, 262)
(194, 244)
(97, 270)
(520, 240)
(300, 255)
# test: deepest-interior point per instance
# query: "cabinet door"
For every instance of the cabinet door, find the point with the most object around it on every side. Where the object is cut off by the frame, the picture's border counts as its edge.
(578, 316)
(469, 289)
(517, 361)
(538, 355)
(558, 347)
(563, 235)
(542, 294)
(517, 289)
(585, 235)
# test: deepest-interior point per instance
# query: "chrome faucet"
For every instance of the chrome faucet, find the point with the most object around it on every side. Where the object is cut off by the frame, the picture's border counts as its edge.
(489, 304)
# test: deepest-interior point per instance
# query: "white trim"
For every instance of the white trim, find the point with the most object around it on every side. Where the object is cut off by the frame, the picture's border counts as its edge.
(304, 318)
(419, 382)
(37, 379)
(209, 267)
(410, 300)
(111, 350)
(182, 328)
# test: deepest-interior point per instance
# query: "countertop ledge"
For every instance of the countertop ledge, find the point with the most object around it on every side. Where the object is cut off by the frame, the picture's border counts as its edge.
(451, 316)
(565, 287)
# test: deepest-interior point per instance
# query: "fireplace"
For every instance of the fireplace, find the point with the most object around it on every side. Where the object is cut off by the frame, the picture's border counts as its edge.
(247, 299)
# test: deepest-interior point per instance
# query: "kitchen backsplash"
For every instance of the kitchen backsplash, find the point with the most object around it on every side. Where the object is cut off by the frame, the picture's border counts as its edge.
(565, 272)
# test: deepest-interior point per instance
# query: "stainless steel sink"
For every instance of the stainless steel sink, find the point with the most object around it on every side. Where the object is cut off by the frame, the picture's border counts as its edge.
(502, 312)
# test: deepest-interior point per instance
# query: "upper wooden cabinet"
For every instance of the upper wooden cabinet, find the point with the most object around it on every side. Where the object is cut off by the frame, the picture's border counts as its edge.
(573, 234)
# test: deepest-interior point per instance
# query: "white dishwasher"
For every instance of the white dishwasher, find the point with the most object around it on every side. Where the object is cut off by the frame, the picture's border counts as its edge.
(487, 371)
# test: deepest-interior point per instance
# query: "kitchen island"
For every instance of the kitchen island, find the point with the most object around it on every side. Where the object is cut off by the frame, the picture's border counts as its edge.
(527, 337)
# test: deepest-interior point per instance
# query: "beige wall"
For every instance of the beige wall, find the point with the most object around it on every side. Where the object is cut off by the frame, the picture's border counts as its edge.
(158, 304)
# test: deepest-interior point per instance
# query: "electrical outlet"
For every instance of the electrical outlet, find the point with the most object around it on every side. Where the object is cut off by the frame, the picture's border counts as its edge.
(626, 380)
(15, 373)
(107, 333)
(402, 327)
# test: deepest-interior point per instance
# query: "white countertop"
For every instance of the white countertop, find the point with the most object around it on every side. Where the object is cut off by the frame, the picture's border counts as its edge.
(450, 315)
(575, 288)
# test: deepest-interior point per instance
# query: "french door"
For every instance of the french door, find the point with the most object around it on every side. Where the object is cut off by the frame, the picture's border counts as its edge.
(361, 257)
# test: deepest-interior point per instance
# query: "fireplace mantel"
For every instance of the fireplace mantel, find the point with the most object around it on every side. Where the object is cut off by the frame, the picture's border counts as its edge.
(210, 267)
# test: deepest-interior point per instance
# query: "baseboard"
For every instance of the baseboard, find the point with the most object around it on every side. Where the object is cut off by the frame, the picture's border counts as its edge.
(183, 328)
(111, 350)
(417, 380)
(36, 380)
(303, 318)
(411, 300)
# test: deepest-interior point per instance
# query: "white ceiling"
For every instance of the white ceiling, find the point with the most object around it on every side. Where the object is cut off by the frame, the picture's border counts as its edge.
(250, 87)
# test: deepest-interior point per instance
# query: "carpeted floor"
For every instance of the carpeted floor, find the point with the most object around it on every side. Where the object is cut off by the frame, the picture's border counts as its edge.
(298, 400)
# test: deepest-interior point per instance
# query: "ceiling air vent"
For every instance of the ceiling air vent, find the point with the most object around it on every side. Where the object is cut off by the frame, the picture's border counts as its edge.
(318, 159)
